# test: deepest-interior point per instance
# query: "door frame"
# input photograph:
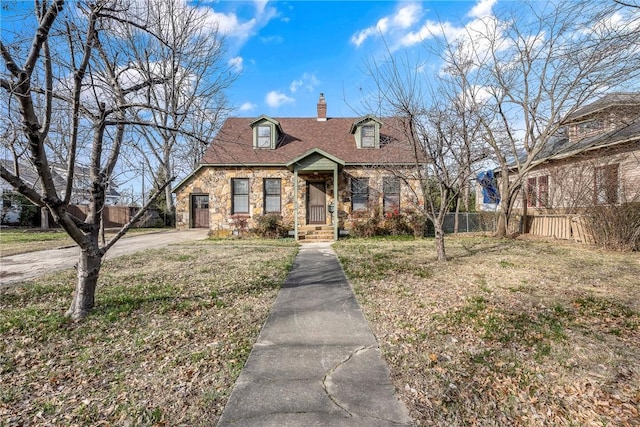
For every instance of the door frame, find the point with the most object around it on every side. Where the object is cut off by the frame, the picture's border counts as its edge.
(194, 217)
(316, 184)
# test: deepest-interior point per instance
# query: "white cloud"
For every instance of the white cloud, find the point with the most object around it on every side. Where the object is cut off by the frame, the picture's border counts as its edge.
(233, 27)
(247, 106)
(403, 18)
(275, 99)
(309, 81)
(482, 9)
(236, 63)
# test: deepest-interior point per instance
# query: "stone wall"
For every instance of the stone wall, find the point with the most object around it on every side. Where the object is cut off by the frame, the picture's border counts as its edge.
(216, 182)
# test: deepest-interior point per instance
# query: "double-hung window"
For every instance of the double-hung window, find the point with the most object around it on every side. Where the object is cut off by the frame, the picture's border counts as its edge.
(271, 195)
(368, 136)
(359, 193)
(391, 195)
(240, 196)
(538, 192)
(606, 185)
(264, 136)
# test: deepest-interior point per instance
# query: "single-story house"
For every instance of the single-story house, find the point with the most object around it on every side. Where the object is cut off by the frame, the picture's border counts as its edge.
(316, 173)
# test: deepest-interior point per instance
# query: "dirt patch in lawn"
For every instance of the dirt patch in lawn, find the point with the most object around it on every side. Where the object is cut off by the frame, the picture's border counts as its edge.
(508, 332)
(168, 338)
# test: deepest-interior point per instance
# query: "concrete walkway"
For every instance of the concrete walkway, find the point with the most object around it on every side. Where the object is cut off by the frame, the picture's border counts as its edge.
(316, 361)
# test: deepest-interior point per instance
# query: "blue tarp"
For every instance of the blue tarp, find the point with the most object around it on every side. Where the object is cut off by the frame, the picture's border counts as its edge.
(490, 192)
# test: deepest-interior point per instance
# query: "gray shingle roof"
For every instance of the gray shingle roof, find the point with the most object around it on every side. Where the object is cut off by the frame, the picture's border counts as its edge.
(614, 99)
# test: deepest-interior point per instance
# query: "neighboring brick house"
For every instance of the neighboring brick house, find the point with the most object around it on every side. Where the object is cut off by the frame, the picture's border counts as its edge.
(595, 162)
(289, 167)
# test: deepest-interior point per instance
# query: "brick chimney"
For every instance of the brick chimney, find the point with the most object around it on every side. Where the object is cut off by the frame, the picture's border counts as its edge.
(322, 109)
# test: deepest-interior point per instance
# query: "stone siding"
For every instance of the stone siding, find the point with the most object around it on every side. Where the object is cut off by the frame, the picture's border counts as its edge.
(216, 182)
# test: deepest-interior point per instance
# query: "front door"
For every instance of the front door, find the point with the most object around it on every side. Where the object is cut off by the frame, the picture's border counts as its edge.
(316, 203)
(200, 211)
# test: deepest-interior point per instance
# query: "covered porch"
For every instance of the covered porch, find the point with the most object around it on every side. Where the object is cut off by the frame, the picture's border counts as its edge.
(316, 195)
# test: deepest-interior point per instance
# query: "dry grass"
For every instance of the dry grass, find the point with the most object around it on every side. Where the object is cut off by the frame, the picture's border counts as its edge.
(508, 332)
(168, 338)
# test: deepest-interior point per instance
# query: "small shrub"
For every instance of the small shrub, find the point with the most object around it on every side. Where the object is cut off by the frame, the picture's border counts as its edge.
(396, 224)
(240, 225)
(270, 226)
(616, 226)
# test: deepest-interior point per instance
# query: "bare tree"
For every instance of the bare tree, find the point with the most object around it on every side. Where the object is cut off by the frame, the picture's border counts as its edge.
(187, 54)
(441, 134)
(77, 62)
(529, 67)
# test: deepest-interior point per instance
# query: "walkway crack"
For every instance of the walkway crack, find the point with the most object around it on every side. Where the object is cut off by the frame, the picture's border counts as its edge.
(331, 371)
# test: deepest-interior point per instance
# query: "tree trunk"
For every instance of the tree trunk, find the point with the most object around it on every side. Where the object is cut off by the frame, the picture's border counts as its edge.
(501, 226)
(44, 218)
(442, 255)
(456, 218)
(89, 264)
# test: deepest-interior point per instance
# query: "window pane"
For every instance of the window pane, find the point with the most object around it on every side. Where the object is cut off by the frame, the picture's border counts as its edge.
(391, 194)
(201, 202)
(264, 136)
(272, 186)
(368, 136)
(240, 186)
(606, 184)
(272, 195)
(240, 190)
(359, 193)
(531, 192)
(240, 204)
(543, 191)
(272, 204)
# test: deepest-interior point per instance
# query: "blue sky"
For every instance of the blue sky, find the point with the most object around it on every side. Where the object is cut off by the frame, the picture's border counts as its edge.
(288, 52)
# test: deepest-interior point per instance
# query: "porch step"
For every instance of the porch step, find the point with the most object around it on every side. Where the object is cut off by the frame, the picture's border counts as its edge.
(315, 233)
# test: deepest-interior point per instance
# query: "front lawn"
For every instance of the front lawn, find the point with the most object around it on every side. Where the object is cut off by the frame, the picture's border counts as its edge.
(164, 346)
(508, 332)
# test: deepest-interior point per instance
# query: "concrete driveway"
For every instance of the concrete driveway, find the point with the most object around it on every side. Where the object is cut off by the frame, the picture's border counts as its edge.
(18, 268)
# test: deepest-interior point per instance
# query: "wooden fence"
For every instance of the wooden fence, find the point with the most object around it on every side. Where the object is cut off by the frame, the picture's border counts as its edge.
(564, 227)
(117, 216)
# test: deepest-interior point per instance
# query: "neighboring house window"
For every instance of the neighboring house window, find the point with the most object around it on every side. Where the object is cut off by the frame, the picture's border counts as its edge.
(543, 191)
(606, 185)
(391, 195)
(264, 136)
(538, 192)
(590, 126)
(272, 195)
(240, 195)
(359, 193)
(368, 136)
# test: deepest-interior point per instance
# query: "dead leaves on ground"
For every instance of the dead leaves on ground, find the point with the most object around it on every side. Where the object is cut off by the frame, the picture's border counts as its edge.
(507, 332)
(170, 333)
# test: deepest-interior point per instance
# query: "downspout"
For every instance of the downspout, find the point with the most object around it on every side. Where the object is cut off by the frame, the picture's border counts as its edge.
(335, 202)
(295, 201)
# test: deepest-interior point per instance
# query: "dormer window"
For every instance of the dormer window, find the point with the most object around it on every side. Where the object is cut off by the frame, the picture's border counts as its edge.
(368, 136)
(366, 132)
(266, 132)
(264, 136)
